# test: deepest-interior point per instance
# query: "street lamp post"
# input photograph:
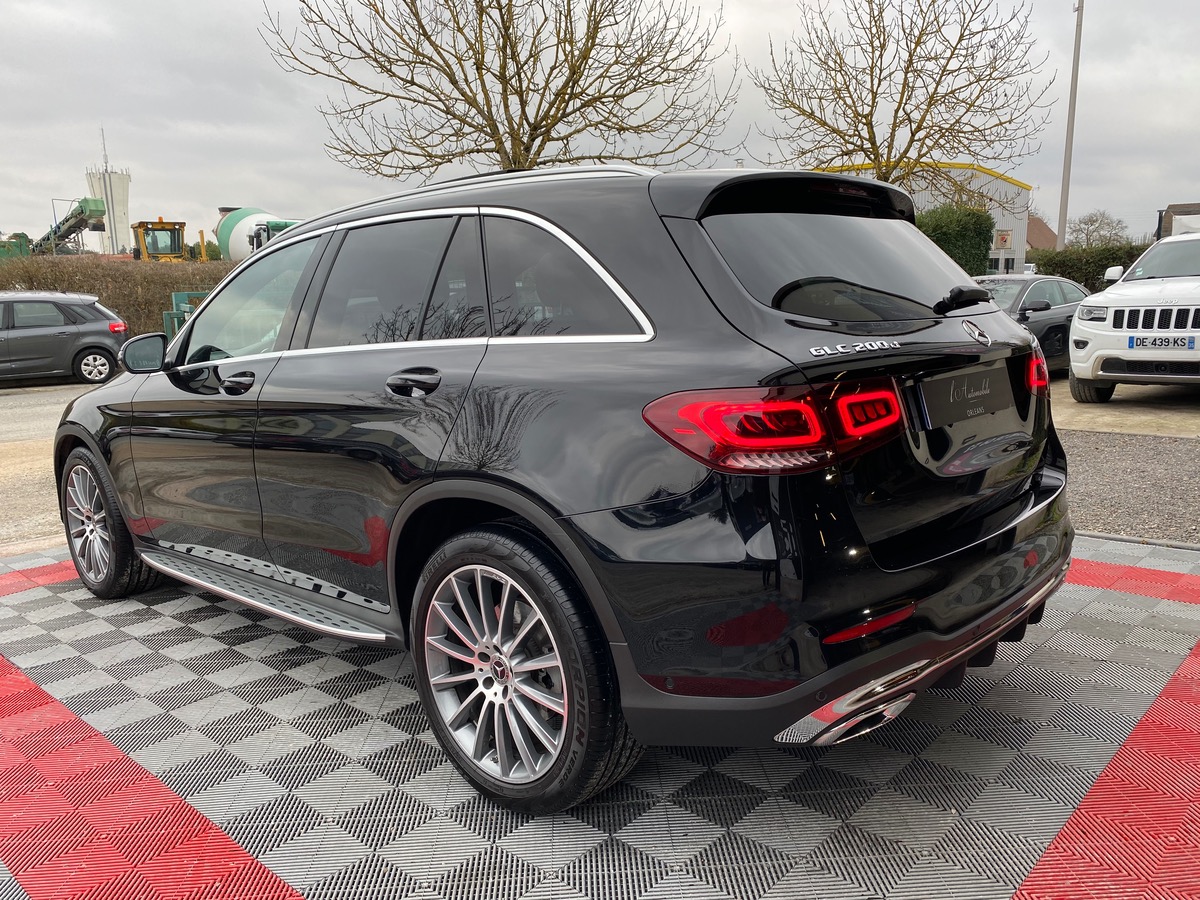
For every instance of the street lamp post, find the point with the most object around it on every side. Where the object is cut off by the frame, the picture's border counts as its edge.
(1061, 240)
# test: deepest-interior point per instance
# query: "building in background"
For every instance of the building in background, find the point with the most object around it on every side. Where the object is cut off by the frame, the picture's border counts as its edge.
(113, 188)
(1008, 204)
(1039, 235)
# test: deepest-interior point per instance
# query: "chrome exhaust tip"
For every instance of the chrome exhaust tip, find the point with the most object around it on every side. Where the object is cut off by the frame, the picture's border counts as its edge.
(864, 722)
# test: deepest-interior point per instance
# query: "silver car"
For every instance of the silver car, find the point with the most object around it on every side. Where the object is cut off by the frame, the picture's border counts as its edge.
(46, 334)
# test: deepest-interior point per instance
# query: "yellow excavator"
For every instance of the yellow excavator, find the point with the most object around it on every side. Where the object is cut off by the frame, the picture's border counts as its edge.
(162, 242)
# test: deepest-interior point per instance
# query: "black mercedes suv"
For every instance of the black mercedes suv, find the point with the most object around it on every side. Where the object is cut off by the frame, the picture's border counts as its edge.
(624, 458)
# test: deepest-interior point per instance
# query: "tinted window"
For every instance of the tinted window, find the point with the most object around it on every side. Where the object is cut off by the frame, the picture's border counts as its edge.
(87, 312)
(32, 314)
(835, 267)
(244, 318)
(456, 306)
(540, 286)
(378, 284)
(1071, 293)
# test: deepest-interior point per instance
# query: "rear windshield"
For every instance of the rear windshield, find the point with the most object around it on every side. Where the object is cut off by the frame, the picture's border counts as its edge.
(835, 267)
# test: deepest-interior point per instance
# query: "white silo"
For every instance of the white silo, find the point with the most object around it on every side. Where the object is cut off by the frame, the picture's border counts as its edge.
(113, 188)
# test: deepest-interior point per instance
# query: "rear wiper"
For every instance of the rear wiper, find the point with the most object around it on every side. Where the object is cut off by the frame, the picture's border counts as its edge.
(959, 297)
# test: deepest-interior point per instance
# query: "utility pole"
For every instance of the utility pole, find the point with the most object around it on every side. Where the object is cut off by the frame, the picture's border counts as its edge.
(1061, 241)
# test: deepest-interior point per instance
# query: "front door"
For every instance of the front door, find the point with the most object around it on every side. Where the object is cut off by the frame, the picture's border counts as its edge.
(193, 424)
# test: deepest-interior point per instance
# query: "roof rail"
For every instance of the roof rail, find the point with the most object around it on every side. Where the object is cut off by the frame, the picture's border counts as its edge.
(601, 170)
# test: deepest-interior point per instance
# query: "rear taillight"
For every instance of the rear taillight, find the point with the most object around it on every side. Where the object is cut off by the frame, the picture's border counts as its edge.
(777, 430)
(118, 327)
(1037, 377)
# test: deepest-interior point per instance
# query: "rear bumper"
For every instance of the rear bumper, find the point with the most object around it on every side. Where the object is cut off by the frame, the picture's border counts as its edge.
(822, 704)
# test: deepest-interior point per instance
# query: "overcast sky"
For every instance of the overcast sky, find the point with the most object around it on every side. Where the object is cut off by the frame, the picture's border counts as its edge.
(193, 105)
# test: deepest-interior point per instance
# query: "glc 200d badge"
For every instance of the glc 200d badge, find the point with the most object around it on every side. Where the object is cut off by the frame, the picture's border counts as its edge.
(856, 347)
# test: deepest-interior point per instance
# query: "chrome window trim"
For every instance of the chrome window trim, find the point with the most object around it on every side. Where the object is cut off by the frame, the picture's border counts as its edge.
(225, 361)
(391, 345)
(643, 321)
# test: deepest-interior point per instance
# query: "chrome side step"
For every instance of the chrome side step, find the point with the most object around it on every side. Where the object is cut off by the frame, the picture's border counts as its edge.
(254, 593)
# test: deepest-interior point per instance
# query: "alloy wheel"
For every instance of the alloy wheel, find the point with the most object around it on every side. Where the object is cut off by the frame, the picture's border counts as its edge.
(87, 524)
(95, 367)
(496, 674)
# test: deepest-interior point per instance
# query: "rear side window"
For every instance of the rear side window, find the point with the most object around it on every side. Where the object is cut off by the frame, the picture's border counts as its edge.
(377, 287)
(86, 312)
(540, 286)
(835, 267)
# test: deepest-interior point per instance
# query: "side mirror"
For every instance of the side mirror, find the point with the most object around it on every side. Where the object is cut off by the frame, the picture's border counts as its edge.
(144, 353)
(1113, 273)
(1030, 306)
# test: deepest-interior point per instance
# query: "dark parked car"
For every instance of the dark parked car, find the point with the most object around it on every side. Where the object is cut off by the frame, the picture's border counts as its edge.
(47, 334)
(1045, 305)
(624, 458)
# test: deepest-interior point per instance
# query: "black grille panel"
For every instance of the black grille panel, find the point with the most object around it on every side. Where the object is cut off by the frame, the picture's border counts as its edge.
(1157, 319)
(1146, 367)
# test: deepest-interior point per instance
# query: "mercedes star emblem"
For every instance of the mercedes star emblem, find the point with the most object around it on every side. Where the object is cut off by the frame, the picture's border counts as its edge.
(977, 333)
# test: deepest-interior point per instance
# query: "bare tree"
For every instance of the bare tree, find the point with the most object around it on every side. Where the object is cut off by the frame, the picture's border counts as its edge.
(511, 83)
(897, 87)
(1099, 228)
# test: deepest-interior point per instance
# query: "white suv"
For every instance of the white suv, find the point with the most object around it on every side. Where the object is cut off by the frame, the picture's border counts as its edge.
(1144, 328)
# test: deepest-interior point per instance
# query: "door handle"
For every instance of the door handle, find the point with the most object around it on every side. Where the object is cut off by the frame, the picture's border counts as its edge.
(61, 333)
(237, 384)
(415, 382)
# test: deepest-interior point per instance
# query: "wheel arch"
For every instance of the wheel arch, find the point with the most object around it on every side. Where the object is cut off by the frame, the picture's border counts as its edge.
(433, 513)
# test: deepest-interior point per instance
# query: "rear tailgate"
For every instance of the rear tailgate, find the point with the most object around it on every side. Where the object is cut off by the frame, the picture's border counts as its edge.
(832, 275)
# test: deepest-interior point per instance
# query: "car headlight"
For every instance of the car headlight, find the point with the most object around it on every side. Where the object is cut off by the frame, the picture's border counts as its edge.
(1093, 313)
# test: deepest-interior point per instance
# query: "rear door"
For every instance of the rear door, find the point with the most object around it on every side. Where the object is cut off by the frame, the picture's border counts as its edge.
(41, 340)
(357, 414)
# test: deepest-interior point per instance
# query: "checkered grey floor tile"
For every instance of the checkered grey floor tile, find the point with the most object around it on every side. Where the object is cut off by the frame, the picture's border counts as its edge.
(315, 756)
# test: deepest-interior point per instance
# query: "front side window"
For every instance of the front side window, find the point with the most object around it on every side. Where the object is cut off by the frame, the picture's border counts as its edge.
(377, 286)
(34, 314)
(540, 286)
(245, 317)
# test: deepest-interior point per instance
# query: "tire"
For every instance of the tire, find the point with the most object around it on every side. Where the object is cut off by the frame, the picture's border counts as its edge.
(99, 541)
(562, 736)
(1085, 391)
(95, 366)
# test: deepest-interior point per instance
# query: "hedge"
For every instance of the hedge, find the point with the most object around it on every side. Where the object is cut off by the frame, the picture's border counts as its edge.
(1085, 265)
(139, 292)
(963, 232)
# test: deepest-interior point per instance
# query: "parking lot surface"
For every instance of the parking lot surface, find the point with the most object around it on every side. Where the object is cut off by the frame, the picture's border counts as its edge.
(178, 745)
